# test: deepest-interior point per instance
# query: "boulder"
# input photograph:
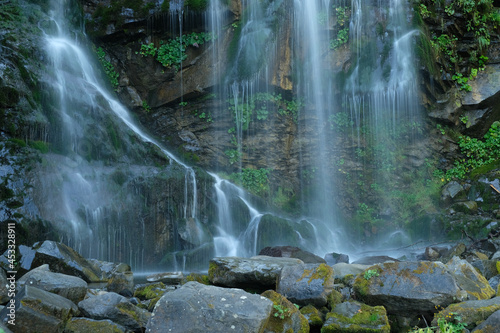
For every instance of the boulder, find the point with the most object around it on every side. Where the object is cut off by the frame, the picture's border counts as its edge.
(67, 286)
(471, 313)
(490, 325)
(115, 308)
(63, 259)
(37, 310)
(260, 272)
(196, 307)
(286, 317)
(150, 291)
(469, 279)
(121, 283)
(408, 288)
(356, 317)
(306, 284)
(336, 258)
(78, 325)
(291, 252)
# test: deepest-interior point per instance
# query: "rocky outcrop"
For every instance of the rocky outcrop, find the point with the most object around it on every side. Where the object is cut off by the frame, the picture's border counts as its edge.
(196, 307)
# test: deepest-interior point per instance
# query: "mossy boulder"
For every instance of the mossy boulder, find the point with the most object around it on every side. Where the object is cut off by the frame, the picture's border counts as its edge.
(356, 317)
(306, 284)
(286, 317)
(408, 288)
(471, 313)
(490, 325)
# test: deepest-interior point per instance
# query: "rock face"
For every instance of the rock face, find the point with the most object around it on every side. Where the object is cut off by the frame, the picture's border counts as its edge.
(199, 308)
(306, 284)
(260, 272)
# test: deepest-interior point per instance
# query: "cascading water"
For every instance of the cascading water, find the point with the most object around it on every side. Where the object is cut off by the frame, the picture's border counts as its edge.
(99, 218)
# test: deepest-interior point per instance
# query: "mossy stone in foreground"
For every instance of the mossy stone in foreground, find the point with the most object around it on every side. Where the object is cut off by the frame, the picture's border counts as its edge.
(285, 317)
(356, 317)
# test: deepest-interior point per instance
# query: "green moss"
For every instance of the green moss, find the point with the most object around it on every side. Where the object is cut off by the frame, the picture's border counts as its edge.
(281, 319)
(313, 315)
(367, 320)
(334, 298)
(41, 146)
(200, 278)
(88, 325)
(9, 97)
(150, 291)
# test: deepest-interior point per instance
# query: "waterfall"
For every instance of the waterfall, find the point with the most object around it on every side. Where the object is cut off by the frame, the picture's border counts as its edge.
(82, 102)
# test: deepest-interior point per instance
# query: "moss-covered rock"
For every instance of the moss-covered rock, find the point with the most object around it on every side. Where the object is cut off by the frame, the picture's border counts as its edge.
(286, 317)
(356, 317)
(471, 313)
(306, 284)
(150, 291)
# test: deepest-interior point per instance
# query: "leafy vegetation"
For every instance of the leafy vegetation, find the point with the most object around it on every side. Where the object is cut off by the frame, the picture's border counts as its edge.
(108, 67)
(450, 324)
(172, 53)
(476, 153)
(342, 17)
(254, 180)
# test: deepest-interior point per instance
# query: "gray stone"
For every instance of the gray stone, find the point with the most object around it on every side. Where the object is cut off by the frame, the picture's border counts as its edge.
(260, 272)
(38, 310)
(488, 268)
(195, 308)
(70, 287)
(306, 284)
(408, 288)
(115, 308)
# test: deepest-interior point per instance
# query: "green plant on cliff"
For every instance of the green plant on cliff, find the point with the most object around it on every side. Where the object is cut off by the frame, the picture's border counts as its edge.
(342, 17)
(108, 67)
(254, 180)
(172, 53)
(476, 153)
